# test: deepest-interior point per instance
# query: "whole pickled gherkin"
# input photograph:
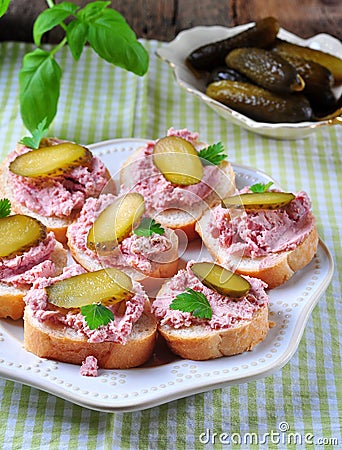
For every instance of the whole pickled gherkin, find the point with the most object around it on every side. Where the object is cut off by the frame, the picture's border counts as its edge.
(331, 62)
(265, 68)
(225, 73)
(319, 82)
(262, 34)
(260, 104)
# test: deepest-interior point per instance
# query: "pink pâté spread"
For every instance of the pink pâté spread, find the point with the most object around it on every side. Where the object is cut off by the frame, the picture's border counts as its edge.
(58, 196)
(257, 233)
(227, 312)
(89, 367)
(116, 331)
(139, 252)
(23, 270)
(160, 193)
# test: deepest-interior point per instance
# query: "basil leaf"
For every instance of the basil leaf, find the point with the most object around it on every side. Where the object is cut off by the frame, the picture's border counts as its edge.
(39, 80)
(37, 135)
(3, 6)
(92, 10)
(50, 18)
(113, 40)
(77, 35)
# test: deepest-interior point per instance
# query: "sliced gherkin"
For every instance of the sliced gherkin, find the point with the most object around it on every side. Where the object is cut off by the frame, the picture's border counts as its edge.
(260, 200)
(221, 279)
(106, 286)
(18, 233)
(178, 161)
(50, 161)
(116, 222)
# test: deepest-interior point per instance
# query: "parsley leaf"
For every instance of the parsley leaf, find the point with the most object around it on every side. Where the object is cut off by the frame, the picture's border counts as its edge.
(37, 135)
(96, 315)
(147, 227)
(261, 187)
(213, 154)
(194, 302)
(5, 207)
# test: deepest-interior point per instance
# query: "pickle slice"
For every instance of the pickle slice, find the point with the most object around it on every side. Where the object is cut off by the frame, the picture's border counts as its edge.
(18, 233)
(116, 222)
(50, 161)
(261, 200)
(178, 161)
(220, 279)
(106, 286)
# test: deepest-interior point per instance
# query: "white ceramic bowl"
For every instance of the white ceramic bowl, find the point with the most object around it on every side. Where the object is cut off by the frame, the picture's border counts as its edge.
(175, 52)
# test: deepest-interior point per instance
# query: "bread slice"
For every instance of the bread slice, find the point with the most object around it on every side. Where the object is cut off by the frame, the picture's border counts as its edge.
(274, 269)
(185, 217)
(162, 264)
(159, 270)
(64, 344)
(56, 224)
(200, 343)
(11, 298)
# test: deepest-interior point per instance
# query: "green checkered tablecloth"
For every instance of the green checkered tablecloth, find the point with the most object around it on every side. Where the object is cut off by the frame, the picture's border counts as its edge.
(100, 102)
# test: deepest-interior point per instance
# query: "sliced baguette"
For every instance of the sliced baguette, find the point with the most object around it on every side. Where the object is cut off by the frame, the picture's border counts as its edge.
(274, 269)
(63, 344)
(199, 343)
(185, 217)
(160, 270)
(11, 298)
(58, 225)
(164, 265)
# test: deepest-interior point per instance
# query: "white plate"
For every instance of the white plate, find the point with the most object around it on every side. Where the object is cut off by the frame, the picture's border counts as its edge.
(144, 387)
(175, 52)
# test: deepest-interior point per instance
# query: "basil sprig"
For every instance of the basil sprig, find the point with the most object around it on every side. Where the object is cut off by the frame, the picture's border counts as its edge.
(103, 28)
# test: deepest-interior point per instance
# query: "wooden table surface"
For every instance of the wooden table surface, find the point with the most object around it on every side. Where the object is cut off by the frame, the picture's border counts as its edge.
(164, 19)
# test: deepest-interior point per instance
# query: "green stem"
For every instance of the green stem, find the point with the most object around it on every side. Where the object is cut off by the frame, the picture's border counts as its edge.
(51, 4)
(59, 46)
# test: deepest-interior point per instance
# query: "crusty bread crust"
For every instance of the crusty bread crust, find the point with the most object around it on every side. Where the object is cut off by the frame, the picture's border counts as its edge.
(184, 218)
(63, 344)
(198, 343)
(274, 270)
(11, 298)
(11, 302)
(58, 225)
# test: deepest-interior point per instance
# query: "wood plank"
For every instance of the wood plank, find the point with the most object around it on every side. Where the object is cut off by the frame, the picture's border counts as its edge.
(302, 17)
(164, 19)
